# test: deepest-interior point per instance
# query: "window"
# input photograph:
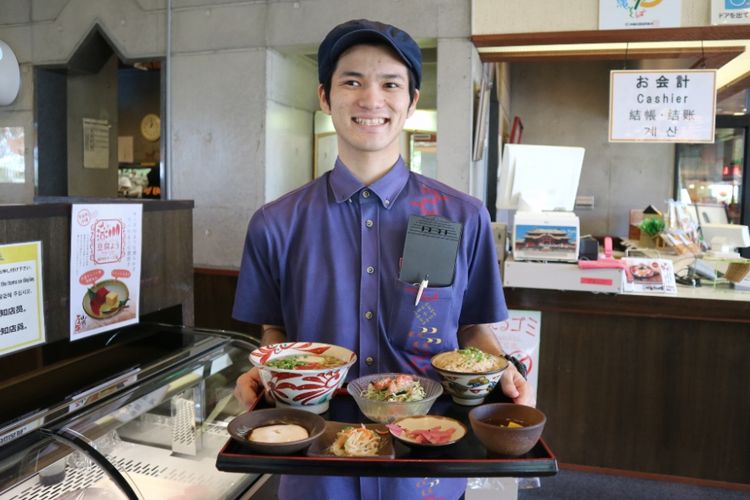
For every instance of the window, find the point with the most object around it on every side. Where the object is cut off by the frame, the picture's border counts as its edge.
(12, 159)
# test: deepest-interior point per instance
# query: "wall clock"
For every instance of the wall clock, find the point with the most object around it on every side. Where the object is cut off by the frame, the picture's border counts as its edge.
(151, 127)
(10, 75)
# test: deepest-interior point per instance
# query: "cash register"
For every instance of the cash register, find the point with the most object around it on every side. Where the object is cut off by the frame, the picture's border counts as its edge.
(537, 189)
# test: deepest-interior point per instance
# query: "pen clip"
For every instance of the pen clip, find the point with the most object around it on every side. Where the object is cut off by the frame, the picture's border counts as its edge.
(422, 286)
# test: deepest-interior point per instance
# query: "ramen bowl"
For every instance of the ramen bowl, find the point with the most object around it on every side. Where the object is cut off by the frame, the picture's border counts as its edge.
(389, 411)
(468, 383)
(506, 428)
(307, 386)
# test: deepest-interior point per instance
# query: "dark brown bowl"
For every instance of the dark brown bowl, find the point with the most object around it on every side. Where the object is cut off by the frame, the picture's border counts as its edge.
(511, 441)
(241, 427)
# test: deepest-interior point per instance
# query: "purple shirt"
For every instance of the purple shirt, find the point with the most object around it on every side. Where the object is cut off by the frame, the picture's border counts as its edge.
(323, 261)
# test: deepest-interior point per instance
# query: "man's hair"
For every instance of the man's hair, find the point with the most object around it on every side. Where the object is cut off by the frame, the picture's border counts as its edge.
(412, 77)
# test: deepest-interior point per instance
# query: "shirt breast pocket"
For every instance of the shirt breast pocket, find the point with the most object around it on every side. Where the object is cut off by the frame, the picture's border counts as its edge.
(424, 329)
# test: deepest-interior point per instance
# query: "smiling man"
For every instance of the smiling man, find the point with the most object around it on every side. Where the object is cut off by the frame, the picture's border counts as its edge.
(322, 263)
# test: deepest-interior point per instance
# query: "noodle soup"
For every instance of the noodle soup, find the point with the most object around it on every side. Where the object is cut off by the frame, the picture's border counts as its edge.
(469, 375)
(469, 360)
(303, 375)
(305, 362)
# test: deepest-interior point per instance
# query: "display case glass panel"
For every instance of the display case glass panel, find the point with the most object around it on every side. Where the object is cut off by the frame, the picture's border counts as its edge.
(155, 438)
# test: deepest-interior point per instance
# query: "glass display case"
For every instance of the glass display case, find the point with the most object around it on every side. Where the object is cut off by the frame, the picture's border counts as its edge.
(153, 431)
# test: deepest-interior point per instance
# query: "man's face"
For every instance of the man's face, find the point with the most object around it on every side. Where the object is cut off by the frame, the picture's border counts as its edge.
(369, 101)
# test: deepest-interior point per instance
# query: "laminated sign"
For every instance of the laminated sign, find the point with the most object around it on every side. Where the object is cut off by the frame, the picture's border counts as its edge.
(662, 106)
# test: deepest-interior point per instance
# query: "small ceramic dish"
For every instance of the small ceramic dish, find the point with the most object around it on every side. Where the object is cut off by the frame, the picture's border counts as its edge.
(506, 428)
(429, 431)
(241, 427)
(321, 447)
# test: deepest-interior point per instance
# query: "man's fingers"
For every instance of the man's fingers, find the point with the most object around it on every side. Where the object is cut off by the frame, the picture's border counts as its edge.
(247, 387)
(508, 383)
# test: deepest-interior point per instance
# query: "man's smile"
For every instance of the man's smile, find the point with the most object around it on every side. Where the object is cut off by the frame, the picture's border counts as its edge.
(369, 122)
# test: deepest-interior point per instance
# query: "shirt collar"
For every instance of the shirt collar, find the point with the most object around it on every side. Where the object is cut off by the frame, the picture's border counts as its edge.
(344, 185)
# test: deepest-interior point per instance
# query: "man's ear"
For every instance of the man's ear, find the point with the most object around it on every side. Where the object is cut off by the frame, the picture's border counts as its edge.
(413, 105)
(324, 106)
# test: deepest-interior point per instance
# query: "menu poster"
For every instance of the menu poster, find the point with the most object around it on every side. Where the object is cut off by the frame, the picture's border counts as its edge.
(519, 336)
(105, 267)
(21, 304)
(649, 275)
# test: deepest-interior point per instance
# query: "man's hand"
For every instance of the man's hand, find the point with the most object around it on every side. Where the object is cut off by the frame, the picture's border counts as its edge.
(248, 387)
(512, 383)
(515, 387)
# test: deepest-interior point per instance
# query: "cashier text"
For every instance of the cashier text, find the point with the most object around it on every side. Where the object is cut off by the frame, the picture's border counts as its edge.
(662, 96)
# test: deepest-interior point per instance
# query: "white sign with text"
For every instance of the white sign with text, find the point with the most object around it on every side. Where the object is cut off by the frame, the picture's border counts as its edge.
(662, 106)
(21, 303)
(730, 11)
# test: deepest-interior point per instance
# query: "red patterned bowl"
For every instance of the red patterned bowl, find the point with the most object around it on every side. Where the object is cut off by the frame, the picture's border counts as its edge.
(305, 389)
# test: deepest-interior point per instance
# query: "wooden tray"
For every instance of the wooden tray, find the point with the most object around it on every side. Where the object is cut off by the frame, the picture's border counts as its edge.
(466, 458)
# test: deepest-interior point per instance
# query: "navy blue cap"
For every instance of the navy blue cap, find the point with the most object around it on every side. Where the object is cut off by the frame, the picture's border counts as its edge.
(359, 31)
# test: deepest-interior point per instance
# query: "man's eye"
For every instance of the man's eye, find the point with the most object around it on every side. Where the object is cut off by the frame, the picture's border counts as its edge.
(392, 85)
(351, 83)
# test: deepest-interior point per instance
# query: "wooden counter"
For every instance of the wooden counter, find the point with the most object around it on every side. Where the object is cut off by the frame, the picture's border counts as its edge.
(645, 383)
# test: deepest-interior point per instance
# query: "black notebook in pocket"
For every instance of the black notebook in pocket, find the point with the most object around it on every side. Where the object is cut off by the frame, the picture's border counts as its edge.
(430, 250)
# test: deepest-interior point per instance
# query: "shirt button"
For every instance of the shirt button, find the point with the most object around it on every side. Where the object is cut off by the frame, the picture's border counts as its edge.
(370, 269)
(387, 202)
(369, 360)
(365, 194)
(368, 315)
(369, 223)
